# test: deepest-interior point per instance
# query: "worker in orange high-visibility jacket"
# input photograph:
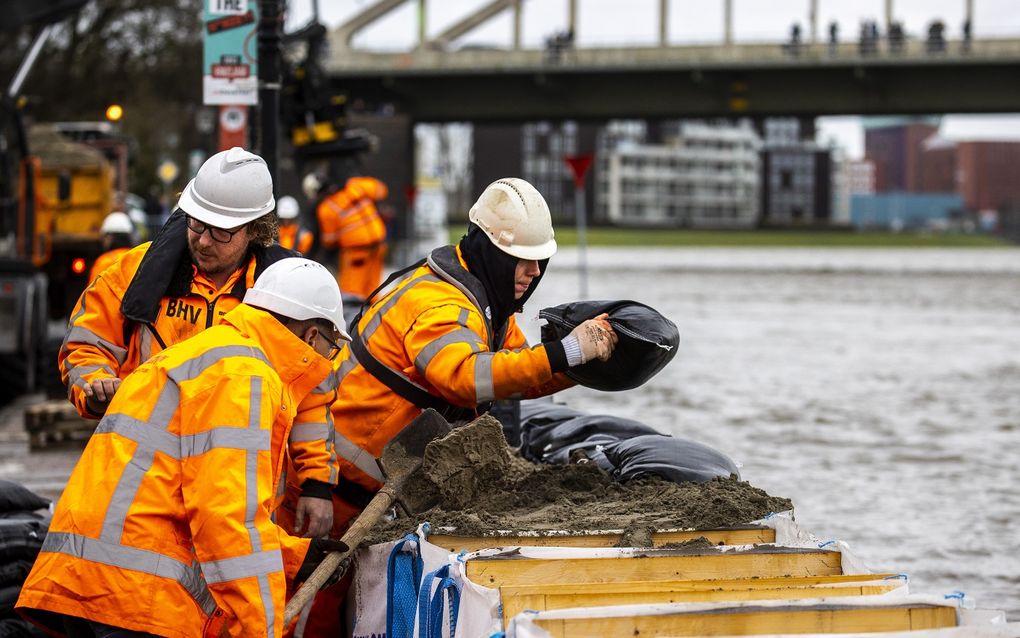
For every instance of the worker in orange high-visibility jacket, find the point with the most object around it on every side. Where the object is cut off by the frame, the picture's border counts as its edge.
(118, 238)
(165, 524)
(349, 222)
(292, 234)
(445, 337)
(195, 270)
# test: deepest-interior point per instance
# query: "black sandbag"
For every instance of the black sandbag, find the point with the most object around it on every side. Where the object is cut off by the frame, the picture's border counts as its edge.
(14, 571)
(679, 460)
(648, 341)
(626, 449)
(8, 597)
(17, 628)
(550, 432)
(15, 497)
(21, 539)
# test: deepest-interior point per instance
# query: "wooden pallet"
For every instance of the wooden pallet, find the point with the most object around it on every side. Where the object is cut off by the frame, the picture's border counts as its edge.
(517, 598)
(656, 565)
(747, 535)
(826, 617)
(55, 421)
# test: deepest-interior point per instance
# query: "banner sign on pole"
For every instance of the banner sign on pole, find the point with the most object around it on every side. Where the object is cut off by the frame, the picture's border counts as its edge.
(230, 52)
(233, 126)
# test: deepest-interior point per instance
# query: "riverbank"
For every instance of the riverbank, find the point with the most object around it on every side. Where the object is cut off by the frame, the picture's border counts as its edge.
(606, 236)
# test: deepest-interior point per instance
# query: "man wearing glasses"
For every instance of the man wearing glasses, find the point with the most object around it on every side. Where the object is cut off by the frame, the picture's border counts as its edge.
(198, 268)
(164, 527)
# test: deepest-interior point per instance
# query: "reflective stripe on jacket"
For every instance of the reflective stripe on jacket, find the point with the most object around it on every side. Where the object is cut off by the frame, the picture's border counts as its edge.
(166, 517)
(427, 329)
(105, 260)
(101, 343)
(349, 217)
(296, 238)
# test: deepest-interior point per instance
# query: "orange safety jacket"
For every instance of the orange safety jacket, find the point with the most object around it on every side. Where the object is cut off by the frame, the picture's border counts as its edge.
(430, 330)
(295, 237)
(349, 218)
(105, 260)
(102, 342)
(164, 525)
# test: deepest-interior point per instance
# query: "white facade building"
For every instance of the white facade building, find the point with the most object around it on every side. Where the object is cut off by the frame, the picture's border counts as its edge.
(708, 176)
(849, 178)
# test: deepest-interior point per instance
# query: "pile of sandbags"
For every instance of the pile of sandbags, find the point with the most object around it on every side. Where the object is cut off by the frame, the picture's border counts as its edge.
(626, 449)
(24, 519)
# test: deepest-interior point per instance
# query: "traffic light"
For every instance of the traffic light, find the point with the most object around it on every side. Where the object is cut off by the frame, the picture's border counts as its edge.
(114, 112)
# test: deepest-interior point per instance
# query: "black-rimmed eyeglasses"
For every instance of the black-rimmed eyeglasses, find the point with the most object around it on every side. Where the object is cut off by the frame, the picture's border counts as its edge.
(334, 347)
(221, 235)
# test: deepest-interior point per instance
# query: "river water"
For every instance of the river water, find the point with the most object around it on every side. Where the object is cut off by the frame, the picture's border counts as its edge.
(877, 389)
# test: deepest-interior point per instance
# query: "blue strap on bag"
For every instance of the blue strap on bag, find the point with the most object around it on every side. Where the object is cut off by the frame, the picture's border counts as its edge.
(430, 604)
(403, 578)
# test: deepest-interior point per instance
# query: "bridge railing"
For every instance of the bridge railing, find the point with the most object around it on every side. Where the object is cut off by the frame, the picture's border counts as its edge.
(913, 51)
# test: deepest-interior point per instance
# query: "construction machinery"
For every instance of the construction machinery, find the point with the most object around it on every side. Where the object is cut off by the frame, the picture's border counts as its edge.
(54, 194)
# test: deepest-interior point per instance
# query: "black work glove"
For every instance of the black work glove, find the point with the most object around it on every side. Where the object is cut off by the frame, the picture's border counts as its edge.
(317, 550)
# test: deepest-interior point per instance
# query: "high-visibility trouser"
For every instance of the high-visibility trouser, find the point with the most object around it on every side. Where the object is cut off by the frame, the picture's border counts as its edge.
(360, 269)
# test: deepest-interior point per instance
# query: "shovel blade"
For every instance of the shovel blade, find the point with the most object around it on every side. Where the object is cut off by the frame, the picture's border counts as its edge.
(404, 453)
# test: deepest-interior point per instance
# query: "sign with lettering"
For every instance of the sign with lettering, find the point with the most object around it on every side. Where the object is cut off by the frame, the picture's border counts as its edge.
(230, 52)
(228, 7)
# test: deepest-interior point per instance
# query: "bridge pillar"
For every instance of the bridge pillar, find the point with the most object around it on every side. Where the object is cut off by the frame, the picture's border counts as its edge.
(517, 24)
(421, 23)
(728, 22)
(813, 20)
(663, 23)
(572, 18)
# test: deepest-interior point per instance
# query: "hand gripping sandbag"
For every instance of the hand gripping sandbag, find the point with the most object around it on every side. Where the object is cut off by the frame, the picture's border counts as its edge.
(648, 341)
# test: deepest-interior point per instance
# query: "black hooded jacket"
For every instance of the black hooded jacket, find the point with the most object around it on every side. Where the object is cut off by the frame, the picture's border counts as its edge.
(496, 270)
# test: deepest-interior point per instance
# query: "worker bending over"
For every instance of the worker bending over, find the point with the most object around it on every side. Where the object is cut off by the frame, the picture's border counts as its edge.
(164, 527)
(196, 270)
(349, 223)
(444, 336)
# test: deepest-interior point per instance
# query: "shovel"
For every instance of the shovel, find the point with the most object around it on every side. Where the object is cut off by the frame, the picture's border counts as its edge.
(401, 457)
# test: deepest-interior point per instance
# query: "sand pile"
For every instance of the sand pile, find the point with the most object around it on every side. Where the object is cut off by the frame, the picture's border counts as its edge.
(505, 492)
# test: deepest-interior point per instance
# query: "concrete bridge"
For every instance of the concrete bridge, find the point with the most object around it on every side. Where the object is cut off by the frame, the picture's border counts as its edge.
(432, 81)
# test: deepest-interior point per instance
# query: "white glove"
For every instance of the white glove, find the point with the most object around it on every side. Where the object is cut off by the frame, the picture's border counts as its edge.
(595, 338)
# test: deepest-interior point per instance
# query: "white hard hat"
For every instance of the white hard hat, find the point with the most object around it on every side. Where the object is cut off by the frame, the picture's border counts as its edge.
(117, 222)
(299, 288)
(311, 185)
(232, 188)
(516, 218)
(287, 207)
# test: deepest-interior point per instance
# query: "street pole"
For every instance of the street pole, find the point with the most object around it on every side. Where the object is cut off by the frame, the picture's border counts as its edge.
(582, 240)
(269, 35)
(579, 165)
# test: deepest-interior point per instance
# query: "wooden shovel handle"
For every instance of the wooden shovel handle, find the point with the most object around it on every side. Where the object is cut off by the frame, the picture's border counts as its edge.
(356, 533)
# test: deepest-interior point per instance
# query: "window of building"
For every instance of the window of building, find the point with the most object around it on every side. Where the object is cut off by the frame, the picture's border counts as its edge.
(786, 179)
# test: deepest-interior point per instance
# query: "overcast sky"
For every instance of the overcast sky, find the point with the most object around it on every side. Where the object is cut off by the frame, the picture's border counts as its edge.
(635, 22)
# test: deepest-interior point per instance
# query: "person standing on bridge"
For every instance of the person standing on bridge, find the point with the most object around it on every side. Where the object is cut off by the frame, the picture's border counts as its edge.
(350, 224)
(165, 525)
(444, 336)
(198, 268)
